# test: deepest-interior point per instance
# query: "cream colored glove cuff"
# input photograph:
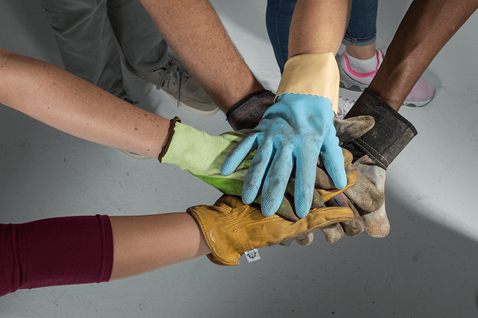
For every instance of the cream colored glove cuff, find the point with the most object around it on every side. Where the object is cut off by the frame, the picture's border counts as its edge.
(312, 74)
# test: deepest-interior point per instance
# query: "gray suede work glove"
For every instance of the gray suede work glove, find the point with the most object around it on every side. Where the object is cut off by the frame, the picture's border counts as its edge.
(324, 191)
(373, 152)
(365, 195)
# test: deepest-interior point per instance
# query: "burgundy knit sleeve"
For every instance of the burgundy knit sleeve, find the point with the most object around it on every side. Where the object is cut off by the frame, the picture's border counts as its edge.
(57, 251)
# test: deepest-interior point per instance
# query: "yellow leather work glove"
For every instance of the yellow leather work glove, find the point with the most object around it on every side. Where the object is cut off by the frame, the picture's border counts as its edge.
(231, 227)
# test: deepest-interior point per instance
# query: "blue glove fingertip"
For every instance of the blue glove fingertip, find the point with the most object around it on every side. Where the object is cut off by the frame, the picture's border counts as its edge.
(340, 179)
(226, 168)
(266, 210)
(302, 208)
(247, 198)
(269, 207)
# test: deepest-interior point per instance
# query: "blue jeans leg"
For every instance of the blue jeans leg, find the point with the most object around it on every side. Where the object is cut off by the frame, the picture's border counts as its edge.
(362, 27)
(360, 31)
(278, 19)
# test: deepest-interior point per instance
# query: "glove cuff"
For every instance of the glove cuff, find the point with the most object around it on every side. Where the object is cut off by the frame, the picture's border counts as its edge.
(189, 148)
(169, 138)
(388, 137)
(312, 74)
(225, 238)
(248, 112)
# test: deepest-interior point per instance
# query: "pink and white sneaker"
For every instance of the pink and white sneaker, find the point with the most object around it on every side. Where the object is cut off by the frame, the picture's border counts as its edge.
(421, 94)
(344, 106)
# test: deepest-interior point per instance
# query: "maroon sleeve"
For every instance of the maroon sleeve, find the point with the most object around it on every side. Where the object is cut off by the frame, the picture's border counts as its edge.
(57, 251)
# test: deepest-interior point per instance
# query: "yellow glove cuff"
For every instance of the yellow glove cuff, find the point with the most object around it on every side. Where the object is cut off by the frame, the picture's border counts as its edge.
(312, 74)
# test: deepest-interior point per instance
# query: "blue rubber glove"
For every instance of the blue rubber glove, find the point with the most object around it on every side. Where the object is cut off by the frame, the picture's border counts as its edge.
(292, 133)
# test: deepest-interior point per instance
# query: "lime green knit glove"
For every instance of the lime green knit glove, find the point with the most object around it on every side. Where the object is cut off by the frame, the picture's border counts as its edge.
(203, 155)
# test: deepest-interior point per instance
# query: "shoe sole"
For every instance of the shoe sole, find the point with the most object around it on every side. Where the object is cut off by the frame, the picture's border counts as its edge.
(420, 103)
(195, 110)
(352, 85)
(134, 155)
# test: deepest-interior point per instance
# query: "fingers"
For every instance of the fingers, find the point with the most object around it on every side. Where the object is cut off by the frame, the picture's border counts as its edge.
(256, 174)
(328, 194)
(238, 153)
(353, 128)
(352, 227)
(332, 233)
(355, 226)
(376, 223)
(333, 160)
(319, 218)
(304, 183)
(365, 194)
(305, 239)
(286, 209)
(275, 182)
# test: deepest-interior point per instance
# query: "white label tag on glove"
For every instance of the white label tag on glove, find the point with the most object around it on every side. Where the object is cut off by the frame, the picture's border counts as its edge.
(252, 255)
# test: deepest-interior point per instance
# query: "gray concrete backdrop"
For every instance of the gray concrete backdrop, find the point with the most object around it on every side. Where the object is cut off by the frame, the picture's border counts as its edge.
(426, 267)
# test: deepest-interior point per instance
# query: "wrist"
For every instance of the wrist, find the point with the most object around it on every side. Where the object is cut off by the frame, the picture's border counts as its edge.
(186, 146)
(388, 137)
(169, 137)
(312, 74)
(248, 112)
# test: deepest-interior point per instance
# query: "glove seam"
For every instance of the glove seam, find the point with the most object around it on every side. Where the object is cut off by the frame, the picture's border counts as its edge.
(237, 231)
(247, 111)
(205, 229)
(169, 138)
(365, 149)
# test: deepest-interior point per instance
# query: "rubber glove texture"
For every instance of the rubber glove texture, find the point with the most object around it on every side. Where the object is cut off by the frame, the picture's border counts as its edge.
(291, 134)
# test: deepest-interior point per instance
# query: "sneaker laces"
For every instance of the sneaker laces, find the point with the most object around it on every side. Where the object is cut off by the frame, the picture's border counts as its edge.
(173, 70)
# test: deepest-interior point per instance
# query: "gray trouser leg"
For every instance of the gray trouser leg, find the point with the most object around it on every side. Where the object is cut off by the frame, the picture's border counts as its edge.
(143, 46)
(87, 33)
(86, 41)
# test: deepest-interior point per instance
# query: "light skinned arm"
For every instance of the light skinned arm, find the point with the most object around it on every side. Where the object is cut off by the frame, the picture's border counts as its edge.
(196, 35)
(427, 26)
(88, 249)
(317, 26)
(72, 105)
(146, 243)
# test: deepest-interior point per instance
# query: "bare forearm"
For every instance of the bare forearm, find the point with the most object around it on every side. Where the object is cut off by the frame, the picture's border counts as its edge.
(88, 249)
(72, 105)
(194, 32)
(317, 26)
(425, 29)
(146, 243)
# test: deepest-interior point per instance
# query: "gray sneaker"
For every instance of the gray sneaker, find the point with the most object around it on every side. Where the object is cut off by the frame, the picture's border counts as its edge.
(175, 80)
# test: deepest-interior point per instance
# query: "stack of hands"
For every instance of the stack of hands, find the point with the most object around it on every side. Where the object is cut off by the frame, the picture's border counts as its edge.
(298, 163)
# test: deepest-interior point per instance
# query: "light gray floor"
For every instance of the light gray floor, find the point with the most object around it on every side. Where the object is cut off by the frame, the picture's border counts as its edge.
(426, 267)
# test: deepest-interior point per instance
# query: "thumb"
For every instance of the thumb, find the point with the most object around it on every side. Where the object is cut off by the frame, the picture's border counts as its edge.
(321, 217)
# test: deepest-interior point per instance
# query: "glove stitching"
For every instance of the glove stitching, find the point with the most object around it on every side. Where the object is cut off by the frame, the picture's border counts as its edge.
(237, 231)
(371, 155)
(244, 113)
(205, 229)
